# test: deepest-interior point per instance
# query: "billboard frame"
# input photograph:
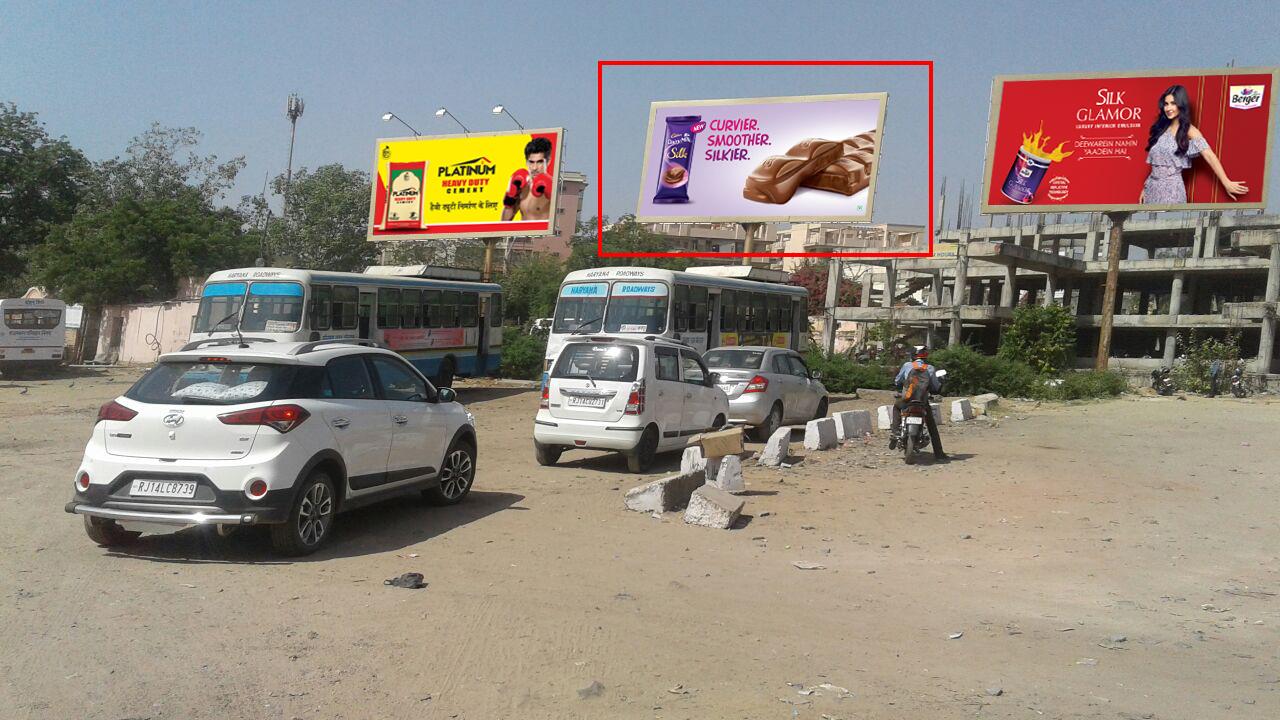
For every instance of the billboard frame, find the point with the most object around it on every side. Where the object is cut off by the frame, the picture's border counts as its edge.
(882, 96)
(928, 65)
(997, 87)
(470, 234)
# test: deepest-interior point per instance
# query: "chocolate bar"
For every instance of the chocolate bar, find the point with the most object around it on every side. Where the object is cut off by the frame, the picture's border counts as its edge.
(778, 177)
(848, 175)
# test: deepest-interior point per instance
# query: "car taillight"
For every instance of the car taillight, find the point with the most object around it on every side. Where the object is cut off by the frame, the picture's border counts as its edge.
(281, 417)
(545, 402)
(257, 489)
(635, 401)
(83, 481)
(115, 411)
(757, 384)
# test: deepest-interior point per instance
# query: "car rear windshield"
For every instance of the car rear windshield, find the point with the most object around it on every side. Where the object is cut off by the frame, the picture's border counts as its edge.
(212, 382)
(745, 359)
(597, 361)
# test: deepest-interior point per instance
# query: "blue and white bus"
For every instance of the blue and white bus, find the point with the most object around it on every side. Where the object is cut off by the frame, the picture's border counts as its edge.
(446, 328)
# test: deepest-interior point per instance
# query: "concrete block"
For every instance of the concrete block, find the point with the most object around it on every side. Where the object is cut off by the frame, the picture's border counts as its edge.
(884, 417)
(776, 448)
(712, 507)
(666, 494)
(820, 434)
(693, 461)
(983, 404)
(937, 412)
(961, 410)
(852, 424)
(720, 443)
(727, 474)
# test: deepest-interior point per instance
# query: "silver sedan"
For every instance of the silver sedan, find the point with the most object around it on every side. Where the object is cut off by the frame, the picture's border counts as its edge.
(767, 387)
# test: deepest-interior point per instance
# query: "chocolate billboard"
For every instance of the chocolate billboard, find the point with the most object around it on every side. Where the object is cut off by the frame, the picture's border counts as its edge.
(762, 159)
(1151, 140)
(475, 185)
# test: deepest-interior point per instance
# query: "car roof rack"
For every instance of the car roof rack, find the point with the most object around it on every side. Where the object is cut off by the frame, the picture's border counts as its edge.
(315, 345)
(215, 342)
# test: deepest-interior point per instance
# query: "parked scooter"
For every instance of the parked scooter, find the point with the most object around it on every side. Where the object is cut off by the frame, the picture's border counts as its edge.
(1238, 388)
(1161, 382)
(913, 431)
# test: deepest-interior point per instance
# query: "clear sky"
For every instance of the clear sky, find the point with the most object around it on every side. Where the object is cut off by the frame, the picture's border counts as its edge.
(100, 73)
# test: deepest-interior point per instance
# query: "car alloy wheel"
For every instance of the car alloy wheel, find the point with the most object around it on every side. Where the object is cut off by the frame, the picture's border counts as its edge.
(456, 475)
(314, 513)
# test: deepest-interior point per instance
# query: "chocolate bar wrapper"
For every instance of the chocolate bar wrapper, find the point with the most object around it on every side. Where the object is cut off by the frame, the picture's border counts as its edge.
(677, 156)
(778, 177)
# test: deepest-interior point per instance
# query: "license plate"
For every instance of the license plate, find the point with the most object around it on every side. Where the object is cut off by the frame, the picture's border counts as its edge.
(915, 421)
(726, 387)
(163, 488)
(591, 402)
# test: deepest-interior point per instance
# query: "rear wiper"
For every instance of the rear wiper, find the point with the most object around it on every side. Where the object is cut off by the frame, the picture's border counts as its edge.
(591, 380)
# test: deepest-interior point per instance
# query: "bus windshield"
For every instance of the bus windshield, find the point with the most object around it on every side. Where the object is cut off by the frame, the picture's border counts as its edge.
(637, 307)
(580, 308)
(274, 307)
(219, 307)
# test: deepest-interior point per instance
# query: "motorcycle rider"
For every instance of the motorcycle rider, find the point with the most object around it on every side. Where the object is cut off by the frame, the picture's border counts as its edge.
(919, 364)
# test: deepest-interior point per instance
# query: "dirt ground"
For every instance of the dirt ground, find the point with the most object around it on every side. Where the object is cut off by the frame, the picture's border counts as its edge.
(1100, 560)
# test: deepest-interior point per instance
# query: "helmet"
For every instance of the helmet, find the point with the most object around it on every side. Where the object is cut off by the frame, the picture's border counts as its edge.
(922, 352)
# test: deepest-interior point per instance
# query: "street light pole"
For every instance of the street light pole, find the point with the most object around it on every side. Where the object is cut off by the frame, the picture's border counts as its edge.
(445, 111)
(502, 109)
(387, 117)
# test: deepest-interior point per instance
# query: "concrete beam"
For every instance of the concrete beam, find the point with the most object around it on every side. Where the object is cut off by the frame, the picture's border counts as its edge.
(926, 313)
(1157, 322)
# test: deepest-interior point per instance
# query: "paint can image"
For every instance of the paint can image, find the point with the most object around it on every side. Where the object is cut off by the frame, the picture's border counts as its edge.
(1024, 177)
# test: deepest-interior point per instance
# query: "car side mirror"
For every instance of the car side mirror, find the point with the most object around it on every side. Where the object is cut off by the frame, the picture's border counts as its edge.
(816, 374)
(446, 395)
(941, 374)
(715, 378)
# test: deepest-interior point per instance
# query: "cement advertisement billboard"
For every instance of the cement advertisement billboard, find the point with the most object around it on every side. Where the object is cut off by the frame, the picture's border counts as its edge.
(474, 185)
(810, 158)
(1137, 141)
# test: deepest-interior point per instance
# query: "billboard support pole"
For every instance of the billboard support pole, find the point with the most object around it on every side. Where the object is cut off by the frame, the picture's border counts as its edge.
(486, 272)
(752, 230)
(1115, 243)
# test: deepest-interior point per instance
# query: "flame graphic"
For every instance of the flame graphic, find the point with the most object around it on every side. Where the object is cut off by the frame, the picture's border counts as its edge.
(1038, 146)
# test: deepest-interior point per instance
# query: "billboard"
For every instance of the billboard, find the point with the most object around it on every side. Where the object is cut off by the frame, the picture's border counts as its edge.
(474, 185)
(1118, 141)
(762, 159)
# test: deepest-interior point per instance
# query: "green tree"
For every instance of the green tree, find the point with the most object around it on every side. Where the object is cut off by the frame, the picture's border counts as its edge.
(139, 250)
(623, 235)
(161, 164)
(42, 180)
(530, 288)
(1042, 336)
(326, 222)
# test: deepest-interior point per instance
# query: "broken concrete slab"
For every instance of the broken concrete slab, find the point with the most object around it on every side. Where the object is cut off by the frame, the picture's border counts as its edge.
(712, 507)
(719, 443)
(693, 461)
(852, 424)
(937, 412)
(776, 448)
(983, 404)
(961, 410)
(884, 417)
(820, 434)
(669, 493)
(727, 474)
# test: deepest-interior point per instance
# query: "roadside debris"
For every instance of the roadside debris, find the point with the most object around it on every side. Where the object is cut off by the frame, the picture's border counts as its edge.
(806, 565)
(590, 691)
(409, 581)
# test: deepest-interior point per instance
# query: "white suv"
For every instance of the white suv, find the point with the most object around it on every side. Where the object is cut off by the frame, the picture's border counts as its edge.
(236, 433)
(639, 396)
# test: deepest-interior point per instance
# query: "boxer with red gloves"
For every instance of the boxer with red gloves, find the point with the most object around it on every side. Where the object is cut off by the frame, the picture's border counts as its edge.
(529, 190)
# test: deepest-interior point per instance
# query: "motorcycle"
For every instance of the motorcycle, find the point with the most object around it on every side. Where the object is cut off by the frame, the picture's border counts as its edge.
(913, 431)
(1238, 388)
(1161, 382)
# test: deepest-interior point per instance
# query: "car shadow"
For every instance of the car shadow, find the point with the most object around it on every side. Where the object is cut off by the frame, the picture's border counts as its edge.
(393, 524)
(466, 395)
(665, 463)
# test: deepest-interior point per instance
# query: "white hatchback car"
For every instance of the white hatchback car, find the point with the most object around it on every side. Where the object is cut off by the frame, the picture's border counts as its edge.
(640, 396)
(235, 433)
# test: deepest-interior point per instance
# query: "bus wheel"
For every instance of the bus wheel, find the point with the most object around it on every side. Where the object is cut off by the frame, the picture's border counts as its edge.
(444, 376)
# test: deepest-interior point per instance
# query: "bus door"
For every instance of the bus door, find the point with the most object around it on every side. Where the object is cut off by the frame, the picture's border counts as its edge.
(713, 319)
(366, 314)
(482, 335)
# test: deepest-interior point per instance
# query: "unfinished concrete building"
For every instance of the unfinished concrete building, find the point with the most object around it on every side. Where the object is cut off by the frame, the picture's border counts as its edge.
(1211, 272)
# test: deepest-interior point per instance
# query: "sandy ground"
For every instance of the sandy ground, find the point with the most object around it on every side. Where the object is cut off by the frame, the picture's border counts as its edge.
(1055, 532)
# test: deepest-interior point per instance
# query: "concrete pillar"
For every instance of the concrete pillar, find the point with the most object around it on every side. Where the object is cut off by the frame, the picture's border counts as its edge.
(1036, 240)
(1009, 292)
(868, 288)
(1066, 292)
(890, 283)
(961, 285)
(936, 298)
(834, 271)
(1175, 309)
(1144, 300)
(1091, 239)
(1211, 235)
(1050, 287)
(1267, 336)
(1197, 237)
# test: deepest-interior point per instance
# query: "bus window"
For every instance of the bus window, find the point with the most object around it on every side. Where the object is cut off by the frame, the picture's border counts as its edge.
(273, 307)
(777, 307)
(467, 310)
(32, 318)
(388, 308)
(580, 308)
(449, 309)
(321, 306)
(410, 307)
(759, 312)
(681, 311)
(637, 308)
(698, 309)
(345, 300)
(495, 310)
(219, 306)
(728, 311)
(431, 308)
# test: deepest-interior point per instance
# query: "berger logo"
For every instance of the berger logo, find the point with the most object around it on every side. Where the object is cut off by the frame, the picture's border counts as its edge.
(468, 168)
(386, 152)
(1246, 97)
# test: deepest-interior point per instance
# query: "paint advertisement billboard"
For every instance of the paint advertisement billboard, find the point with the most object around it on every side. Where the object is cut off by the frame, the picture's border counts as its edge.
(810, 158)
(473, 185)
(1136, 141)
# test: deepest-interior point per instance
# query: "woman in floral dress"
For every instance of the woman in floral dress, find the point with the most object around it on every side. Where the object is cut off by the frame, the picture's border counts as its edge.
(1173, 142)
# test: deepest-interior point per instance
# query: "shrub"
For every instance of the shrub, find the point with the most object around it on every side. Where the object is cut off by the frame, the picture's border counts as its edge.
(1091, 384)
(1192, 374)
(522, 354)
(840, 374)
(1042, 336)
